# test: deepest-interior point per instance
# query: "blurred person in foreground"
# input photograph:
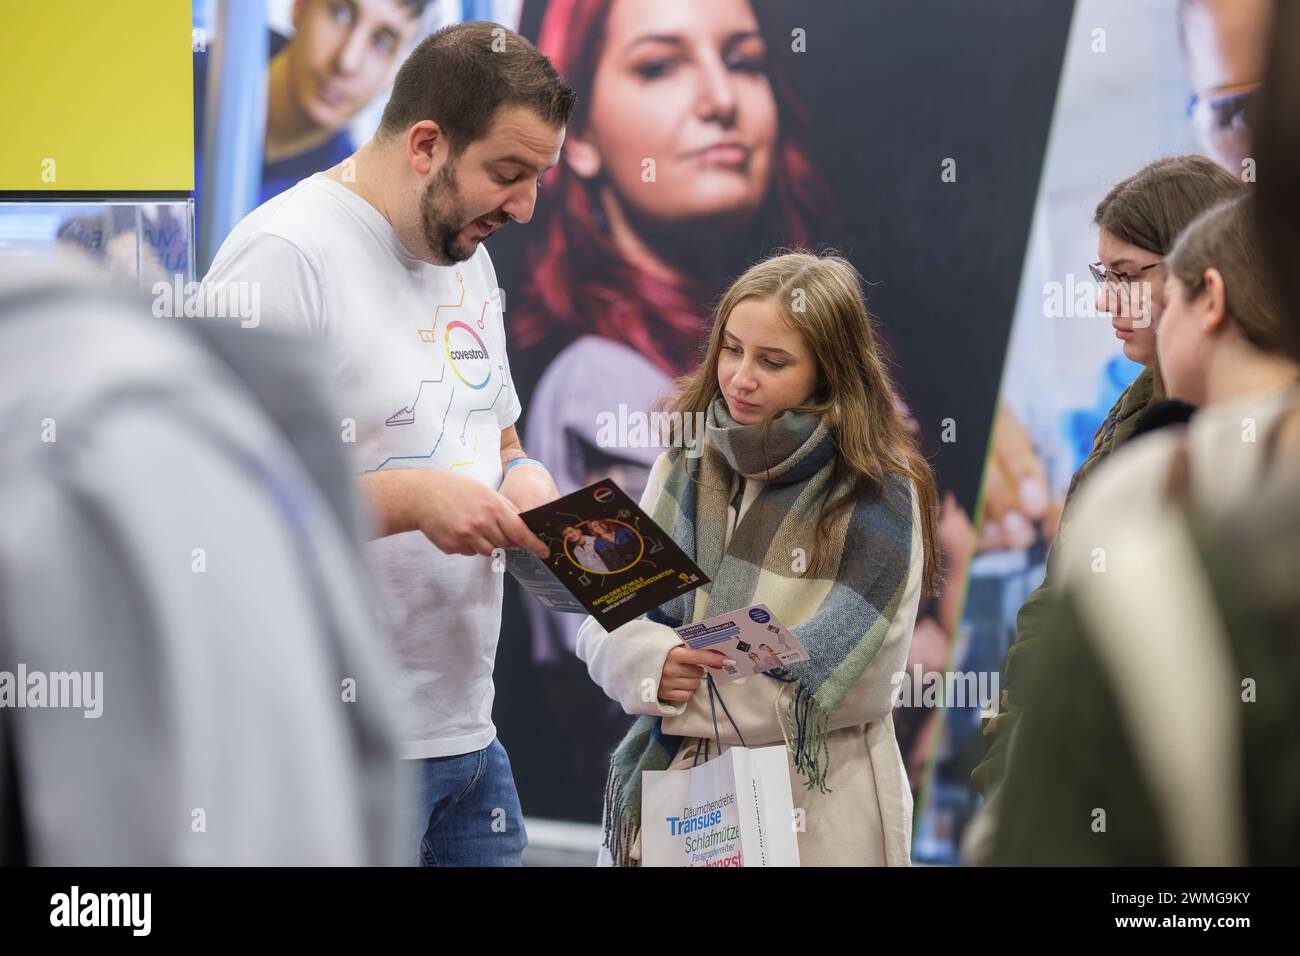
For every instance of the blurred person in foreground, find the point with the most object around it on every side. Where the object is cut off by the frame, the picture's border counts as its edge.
(192, 667)
(1173, 675)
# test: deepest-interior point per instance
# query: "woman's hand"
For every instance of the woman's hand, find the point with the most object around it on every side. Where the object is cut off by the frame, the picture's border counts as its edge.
(683, 671)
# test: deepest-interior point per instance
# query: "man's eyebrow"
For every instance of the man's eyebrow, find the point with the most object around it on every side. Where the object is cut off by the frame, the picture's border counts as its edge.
(516, 160)
(525, 163)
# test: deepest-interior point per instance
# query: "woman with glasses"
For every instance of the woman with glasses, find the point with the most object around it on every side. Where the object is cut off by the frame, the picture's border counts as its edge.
(1137, 223)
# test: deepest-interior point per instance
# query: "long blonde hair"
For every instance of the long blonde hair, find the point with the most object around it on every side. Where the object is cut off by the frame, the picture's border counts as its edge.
(821, 297)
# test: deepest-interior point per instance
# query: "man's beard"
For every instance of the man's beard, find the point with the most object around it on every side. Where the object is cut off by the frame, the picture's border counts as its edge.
(442, 216)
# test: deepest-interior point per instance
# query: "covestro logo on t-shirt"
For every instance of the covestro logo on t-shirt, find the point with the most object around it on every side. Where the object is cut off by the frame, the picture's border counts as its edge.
(467, 355)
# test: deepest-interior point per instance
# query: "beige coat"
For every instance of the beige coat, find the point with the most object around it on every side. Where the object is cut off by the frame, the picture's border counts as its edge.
(1225, 445)
(866, 818)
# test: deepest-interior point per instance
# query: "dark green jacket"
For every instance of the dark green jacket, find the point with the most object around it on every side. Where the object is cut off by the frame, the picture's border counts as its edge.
(1031, 622)
(1074, 751)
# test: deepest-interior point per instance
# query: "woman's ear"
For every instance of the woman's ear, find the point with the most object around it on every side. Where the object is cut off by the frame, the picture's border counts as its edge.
(1215, 307)
(582, 157)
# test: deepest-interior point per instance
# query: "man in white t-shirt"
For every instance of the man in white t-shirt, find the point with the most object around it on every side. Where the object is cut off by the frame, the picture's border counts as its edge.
(381, 258)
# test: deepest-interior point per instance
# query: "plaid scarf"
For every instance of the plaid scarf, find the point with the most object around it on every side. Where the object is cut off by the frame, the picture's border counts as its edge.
(841, 619)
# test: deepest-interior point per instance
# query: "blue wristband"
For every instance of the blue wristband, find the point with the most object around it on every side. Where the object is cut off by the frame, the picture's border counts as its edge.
(521, 461)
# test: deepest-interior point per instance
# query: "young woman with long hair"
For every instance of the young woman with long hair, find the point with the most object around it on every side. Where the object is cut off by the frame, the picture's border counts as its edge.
(811, 497)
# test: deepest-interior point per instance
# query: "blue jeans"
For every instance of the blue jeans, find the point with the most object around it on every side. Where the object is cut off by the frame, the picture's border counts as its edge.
(468, 811)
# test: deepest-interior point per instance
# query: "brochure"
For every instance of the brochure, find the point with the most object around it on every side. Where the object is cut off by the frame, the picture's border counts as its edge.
(608, 558)
(751, 638)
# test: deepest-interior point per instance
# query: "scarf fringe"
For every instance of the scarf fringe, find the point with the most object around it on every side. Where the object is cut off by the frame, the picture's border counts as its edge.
(807, 726)
(620, 827)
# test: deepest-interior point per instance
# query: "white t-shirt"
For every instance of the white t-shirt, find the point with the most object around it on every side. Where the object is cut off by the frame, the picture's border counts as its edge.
(419, 356)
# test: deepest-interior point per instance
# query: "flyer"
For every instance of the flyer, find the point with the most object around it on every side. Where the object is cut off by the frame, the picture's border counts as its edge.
(608, 557)
(752, 639)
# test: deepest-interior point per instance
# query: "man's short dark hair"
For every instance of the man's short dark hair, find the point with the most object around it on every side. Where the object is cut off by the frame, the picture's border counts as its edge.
(462, 74)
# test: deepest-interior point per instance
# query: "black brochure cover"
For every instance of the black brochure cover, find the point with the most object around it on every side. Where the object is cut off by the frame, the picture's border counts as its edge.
(608, 558)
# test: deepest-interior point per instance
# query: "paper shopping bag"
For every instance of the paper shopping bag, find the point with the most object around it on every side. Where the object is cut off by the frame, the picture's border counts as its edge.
(734, 810)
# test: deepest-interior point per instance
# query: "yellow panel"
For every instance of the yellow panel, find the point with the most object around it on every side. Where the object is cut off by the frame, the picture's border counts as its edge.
(96, 95)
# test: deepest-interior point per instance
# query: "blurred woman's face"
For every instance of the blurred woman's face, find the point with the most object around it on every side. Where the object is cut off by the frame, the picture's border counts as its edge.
(683, 84)
(1134, 303)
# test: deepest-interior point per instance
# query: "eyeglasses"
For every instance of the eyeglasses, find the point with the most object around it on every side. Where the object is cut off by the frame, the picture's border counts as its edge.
(1105, 276)
(1220, 116)
(1125, 286)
